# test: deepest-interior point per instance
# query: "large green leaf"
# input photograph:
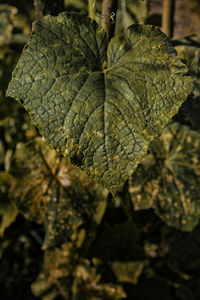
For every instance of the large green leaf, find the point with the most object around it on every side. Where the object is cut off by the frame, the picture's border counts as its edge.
(100, 105)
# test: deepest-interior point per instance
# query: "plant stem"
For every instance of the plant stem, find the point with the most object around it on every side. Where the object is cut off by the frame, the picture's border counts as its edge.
(91, 9)
(167, 17)
(39, 7)
(109, 9)
(124, 14)
(45, 7)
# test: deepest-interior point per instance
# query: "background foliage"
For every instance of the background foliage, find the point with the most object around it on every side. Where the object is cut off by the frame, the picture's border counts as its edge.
(62, 235)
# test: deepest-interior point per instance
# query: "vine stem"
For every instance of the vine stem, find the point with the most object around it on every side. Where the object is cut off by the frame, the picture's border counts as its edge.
(167, 17)
(39, 7)
(124, 14)
(91, 9)
(45, 7)
(109, 9)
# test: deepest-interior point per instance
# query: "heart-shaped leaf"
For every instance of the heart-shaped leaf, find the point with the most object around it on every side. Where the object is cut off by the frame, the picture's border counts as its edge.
(99, 104)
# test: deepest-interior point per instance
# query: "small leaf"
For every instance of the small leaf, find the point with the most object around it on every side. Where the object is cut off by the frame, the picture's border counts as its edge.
(100, 105)
(128, 271)
(168, 179)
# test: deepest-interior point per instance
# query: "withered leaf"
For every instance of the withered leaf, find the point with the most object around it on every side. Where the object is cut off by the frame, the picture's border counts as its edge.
(66, 275)
(51, 191)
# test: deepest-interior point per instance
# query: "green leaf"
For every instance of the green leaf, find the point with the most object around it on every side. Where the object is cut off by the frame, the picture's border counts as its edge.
(168, 178)
(100, 105)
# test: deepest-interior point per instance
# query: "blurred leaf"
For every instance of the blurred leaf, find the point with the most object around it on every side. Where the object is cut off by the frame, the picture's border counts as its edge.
(72, 278)
(76, 4)
(137, 10)
(168, 178)
(128, 271)
(49, 190)
(8, 215)
(100, 106)
(189, 52)
(87, 282)
(14, 29)
(8, 208)
(7, 14)
(9, 21)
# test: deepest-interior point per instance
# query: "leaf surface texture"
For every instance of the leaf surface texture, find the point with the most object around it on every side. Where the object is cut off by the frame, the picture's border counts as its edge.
(99, 104)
